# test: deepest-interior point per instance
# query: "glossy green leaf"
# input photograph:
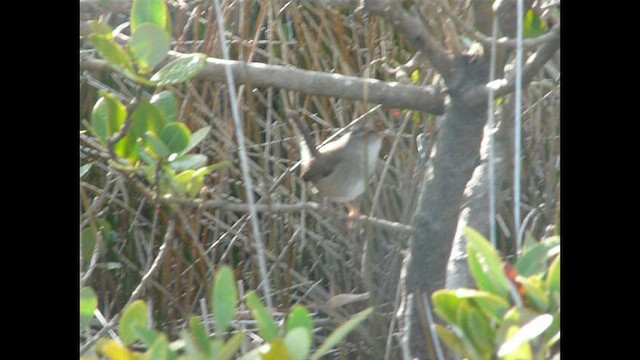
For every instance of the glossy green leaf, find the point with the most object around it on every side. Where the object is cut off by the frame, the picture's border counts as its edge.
(485, 264)
(446, 304)
(150, 45)
(535, 292)
(88, 238)
(167, 105)
(180, 70)
(88, 304)
(159, 350)
(107, 117)
(518, 338)
(276, 350)
(200, 336)
(341, 332)
(196, 138)
(267, 327)
(101, 28)
(149, 11)
(533, 26)
(534, 260)
(298, 343)
(300, 318)
(450, 339)
(224, 298)
(231, 347)
(112, 53)
(136, 314)
(157, 145)
(188, 162)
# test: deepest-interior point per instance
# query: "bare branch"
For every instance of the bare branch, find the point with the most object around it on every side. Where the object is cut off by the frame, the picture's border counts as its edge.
(391, 94)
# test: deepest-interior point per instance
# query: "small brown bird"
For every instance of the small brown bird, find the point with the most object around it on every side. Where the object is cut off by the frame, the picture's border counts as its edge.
(340, 169)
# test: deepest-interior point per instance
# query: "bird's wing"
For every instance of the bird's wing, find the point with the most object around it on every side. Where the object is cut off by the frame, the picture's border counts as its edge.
(320, 167)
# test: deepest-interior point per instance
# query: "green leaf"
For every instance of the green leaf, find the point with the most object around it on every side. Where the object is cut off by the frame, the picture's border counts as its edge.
(112, 53)
(450, 339)
(446, 304)
(340, 333)
(84, 169)
(180, 70)
(88, 237)
(88, 304)
(146, 335)
(485, 264)
(101, 28)
(159, 350)
(149, 11)
(491, 305)
(107, 117)
(533, 26)
(136, 314)
(184, 182)
(267, 327)
(201, 338)
(477, 328)
(231, 347)
(518, 338)
(300, 318)
(535, 292)
(224, 298)
(415, 77)
(464, 311)
(167, 105)
(196, 138)
(130, 146)
(157, 145)
(188, 162)
(150, 116)
(150, 45)
(176, 136)
(534, 260)
(298, 343)
(215, 348)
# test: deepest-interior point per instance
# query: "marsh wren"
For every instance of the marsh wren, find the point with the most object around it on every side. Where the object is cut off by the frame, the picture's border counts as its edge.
(340, 169)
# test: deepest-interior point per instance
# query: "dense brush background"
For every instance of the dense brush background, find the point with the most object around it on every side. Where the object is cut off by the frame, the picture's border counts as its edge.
(312, 255)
